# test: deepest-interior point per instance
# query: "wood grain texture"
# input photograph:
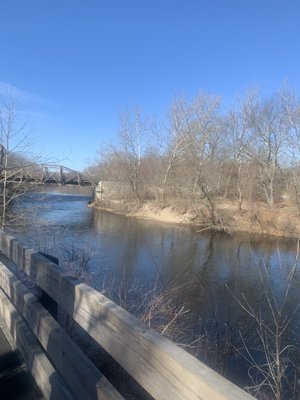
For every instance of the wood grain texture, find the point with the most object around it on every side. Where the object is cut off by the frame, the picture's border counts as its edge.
(79, 373)
(48, 380)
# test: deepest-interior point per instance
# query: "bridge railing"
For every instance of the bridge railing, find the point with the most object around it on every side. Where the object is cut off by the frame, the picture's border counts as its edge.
(163, 369)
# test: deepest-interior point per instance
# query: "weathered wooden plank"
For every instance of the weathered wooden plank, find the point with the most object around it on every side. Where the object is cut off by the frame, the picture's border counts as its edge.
(161, 367)
(47, 379)
(85, 381)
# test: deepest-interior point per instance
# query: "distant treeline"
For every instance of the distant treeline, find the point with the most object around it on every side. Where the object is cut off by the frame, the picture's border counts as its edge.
(200, 153)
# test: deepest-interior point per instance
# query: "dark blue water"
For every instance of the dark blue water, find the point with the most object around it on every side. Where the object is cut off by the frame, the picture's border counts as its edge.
(216, 275)
(117, 246)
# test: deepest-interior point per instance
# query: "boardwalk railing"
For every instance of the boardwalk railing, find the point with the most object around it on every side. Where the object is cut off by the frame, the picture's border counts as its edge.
(62, 370)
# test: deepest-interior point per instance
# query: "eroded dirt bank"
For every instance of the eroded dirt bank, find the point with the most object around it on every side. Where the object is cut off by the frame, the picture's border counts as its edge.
(281, 220)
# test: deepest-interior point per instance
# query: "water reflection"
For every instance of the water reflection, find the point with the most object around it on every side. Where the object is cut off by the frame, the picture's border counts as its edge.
(142, 250)
(213, 271)
(145, 249)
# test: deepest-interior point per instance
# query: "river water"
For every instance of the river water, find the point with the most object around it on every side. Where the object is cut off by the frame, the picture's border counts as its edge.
(213, 277)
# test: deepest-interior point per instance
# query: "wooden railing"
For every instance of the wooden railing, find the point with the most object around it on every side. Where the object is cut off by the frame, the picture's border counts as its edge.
(63, 371)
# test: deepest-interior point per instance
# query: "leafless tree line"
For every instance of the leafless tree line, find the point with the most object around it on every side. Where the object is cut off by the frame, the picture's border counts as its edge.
(200, 154)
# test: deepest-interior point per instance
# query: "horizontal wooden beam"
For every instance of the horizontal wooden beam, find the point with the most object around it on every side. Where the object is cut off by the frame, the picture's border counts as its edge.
(162, 368)
(47, 379)
(79, 373)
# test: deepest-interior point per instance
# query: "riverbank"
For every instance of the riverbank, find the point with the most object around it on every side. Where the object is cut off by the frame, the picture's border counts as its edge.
(258, 218)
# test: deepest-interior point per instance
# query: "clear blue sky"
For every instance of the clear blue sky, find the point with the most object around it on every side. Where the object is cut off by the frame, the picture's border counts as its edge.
(79, 63)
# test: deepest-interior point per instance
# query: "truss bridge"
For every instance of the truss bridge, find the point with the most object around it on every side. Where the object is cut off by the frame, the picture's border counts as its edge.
(49, 174)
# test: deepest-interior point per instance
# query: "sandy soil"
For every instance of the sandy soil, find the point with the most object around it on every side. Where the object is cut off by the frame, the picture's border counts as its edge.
(281, 220)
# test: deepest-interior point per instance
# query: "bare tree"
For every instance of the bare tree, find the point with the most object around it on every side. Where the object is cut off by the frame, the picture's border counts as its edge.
(177, 139)
(203, 150)
(130, 148)
(291, 113)
(14, 147)
(239, 135)
(269, 135)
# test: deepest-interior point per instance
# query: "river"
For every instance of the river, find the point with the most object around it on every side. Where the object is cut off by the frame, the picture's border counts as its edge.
(208, 278)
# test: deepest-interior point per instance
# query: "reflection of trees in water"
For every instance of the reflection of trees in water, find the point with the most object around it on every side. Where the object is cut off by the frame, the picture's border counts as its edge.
(212, 314)
(181, 282)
